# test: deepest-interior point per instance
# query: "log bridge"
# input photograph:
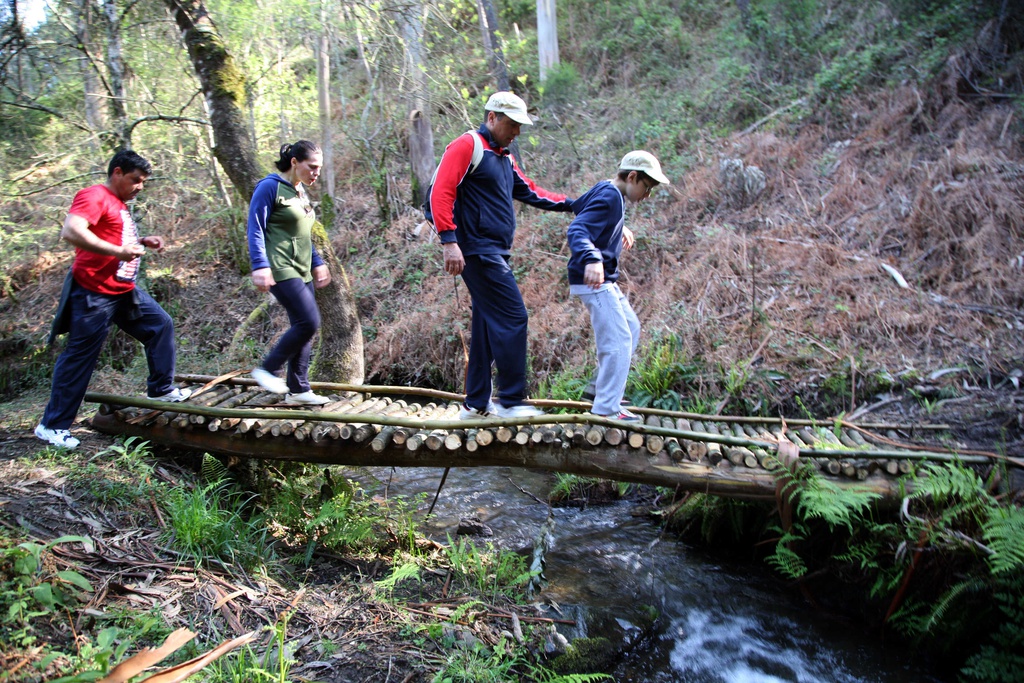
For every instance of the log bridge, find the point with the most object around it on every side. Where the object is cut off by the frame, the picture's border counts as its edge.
(367, 425)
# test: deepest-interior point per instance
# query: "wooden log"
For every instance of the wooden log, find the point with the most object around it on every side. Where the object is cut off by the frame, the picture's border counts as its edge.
(435, 439)
(505, 433)
(372, 407)
(210, 399)
(635, 439)
(595, 434)
(847, 469)
(738, 455)
(613, 436)
(715, 455)
(484, 436)
(402, 434)
(454, 440)
(523, 434)
(833, 467)
(672, 446)
(366, 431)
(321, 431)
(857, 438)
(654, 442)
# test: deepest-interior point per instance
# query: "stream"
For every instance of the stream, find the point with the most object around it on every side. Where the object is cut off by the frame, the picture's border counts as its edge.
(717, 623)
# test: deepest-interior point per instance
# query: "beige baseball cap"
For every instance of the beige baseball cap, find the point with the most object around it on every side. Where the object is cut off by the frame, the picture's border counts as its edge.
(639, 160)
(509, 104)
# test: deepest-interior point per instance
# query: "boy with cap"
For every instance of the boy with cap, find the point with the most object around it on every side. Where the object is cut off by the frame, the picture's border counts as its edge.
(596, 238)
(470, 203)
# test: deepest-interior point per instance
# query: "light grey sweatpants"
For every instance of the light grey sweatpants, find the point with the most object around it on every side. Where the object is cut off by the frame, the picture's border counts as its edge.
(616, 333)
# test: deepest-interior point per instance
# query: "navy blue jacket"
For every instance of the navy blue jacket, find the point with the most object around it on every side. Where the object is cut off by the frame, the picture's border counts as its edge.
(475, 209)
(596, 232)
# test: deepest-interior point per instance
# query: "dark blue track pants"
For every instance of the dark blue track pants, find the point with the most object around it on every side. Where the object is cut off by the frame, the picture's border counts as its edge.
(498, 332)
(296, 345)
(91, 315)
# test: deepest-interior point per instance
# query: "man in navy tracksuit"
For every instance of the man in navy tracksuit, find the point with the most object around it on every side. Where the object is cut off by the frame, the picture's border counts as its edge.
(475, 219)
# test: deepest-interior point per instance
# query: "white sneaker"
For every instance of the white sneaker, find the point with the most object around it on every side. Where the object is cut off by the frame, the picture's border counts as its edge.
(467, 413)
(269, 382)
(61, 438)
(306, 398)
(521, 410)
(175, 395)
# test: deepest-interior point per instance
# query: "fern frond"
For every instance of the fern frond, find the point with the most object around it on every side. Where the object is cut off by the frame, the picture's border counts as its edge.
(948, 598)
(1004, 532)
(836, 506)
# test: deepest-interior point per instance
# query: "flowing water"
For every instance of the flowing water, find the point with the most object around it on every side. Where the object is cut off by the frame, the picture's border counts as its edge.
(717, 623)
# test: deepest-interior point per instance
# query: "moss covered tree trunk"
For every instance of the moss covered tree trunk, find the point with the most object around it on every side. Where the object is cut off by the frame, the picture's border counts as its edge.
(339, 355)
(223, 86)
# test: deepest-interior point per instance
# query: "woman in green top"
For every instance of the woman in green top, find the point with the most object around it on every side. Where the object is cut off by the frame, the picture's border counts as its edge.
(285, 263)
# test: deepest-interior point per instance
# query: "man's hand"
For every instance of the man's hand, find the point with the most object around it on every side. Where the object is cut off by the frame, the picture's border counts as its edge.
(263, 279)
(453, 260)
(154, 242)
(321, 277)
(628, 238)
(593, 274)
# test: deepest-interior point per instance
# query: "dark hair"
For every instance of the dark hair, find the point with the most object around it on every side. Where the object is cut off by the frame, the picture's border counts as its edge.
(640, 175)
(128, 161)
(299, 151)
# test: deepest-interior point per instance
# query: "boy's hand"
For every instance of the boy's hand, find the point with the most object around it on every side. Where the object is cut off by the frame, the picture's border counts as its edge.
(593, 274)
(628, 239)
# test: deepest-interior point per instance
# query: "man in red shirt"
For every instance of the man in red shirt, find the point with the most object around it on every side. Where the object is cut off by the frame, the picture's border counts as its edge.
(107, 251)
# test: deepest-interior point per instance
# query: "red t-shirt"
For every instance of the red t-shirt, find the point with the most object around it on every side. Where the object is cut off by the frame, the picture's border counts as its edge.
(110, 220)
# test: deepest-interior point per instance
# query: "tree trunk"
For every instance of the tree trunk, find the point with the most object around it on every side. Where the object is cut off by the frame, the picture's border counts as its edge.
(492, 46)
(547, 36)
(224, 87)
(323, 84)
(94, 114)
(421, 135)
(115, 75)
(339, 355)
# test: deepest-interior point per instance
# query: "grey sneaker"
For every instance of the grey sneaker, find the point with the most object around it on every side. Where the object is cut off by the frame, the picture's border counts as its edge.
(61, 438)
(306, 398)
(521, 410)
(175, 395)
(269, 382)
(467, 413)
(623, 416)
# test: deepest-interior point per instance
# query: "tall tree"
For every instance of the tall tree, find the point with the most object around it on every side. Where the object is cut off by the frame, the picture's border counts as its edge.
(421, 134)
(547, 36)
(492, 44)
(115, 74)
(323, 86)
(223, 86)
(95, 117)
(339, 356)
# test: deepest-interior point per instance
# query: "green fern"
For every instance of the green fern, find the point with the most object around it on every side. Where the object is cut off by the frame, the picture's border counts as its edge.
(785, 559)
(1004, 532)
(943, 482)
